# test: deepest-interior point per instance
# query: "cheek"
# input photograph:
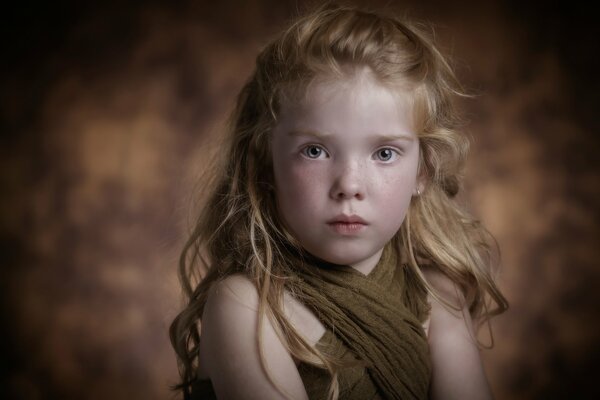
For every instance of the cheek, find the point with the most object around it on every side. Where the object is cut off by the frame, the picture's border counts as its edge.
(298, 179)
(395, 195)
(299, 187)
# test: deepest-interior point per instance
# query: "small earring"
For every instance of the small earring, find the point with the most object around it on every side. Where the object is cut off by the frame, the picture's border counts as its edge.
(418, 192)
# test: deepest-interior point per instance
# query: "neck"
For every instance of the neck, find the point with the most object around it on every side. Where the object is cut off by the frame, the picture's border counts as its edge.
(366, 266)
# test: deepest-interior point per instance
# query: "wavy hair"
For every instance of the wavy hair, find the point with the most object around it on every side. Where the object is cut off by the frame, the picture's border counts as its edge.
(239, 231)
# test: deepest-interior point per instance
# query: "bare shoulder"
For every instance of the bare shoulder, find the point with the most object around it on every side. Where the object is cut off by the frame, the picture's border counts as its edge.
(457, 368)
(444, 286)
(235, 288)
(229, 346)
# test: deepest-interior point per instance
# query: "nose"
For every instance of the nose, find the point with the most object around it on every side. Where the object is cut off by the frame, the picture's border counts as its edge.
(348, 183)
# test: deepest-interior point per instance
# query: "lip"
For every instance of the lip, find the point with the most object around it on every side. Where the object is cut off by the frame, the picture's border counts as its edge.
(347, 219)
(347, 224)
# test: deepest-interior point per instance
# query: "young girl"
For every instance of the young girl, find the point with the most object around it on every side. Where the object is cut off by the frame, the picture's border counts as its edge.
(334, 259)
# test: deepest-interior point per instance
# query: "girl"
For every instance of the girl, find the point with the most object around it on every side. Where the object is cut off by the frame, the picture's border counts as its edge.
(332, 260)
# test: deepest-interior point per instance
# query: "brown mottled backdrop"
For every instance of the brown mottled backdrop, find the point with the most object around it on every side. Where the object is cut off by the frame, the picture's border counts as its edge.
(105, 113)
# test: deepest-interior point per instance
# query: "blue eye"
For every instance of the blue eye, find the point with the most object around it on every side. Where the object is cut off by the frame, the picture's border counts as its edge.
(313, 151)
(386, 154)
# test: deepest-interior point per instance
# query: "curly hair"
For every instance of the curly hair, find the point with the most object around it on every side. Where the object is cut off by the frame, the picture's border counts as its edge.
(239, 230)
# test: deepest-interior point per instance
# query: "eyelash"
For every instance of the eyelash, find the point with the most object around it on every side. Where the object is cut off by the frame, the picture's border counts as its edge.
(311, 146)
(394, 152)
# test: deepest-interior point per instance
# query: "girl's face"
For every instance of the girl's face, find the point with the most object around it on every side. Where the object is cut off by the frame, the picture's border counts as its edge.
(345, 164)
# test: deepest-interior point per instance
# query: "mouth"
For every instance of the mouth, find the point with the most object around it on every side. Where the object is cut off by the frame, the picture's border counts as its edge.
(347, 219)
(347, 224)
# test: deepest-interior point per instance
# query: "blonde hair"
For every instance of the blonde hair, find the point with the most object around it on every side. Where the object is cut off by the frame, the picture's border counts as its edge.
(239, 230)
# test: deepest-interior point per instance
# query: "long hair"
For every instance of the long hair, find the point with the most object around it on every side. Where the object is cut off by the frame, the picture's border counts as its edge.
(239, 230)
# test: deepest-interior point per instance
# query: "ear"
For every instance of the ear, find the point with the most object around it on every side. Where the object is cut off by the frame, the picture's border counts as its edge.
(419, 188)
(421, 181)
(420, 184)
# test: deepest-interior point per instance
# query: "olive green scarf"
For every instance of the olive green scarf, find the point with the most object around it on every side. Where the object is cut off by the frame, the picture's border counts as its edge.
(377, 317)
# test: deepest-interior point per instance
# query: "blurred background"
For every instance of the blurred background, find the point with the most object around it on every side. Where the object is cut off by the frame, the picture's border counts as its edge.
(106, 114)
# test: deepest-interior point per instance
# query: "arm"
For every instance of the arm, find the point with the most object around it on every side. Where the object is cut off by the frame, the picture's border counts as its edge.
(457, 368)
(229, 342)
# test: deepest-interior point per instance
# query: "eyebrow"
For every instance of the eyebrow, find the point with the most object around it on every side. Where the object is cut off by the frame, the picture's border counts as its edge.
(389, 138)
(324, 135)
(318, 135)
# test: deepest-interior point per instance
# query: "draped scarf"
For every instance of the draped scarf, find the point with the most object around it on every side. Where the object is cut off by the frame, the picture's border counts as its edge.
(372, 315)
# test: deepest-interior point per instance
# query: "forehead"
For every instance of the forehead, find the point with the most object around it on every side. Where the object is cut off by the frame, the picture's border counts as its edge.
(348, 103)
